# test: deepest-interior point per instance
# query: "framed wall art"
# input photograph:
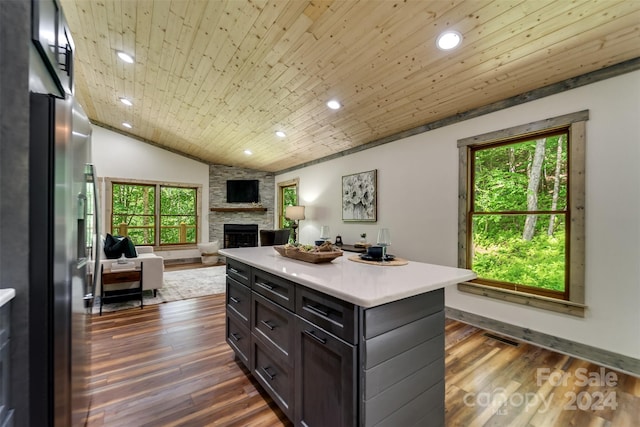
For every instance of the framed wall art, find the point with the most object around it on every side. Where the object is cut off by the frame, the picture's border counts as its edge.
(359, 197)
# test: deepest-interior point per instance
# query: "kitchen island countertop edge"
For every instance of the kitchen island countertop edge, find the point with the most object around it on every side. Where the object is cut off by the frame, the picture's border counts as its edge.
(361, 284)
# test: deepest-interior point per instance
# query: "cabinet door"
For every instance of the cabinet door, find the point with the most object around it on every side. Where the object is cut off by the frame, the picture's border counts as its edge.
(325, 378)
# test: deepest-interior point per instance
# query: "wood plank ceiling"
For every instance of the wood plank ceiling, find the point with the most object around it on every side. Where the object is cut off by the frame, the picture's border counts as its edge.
(213, 78)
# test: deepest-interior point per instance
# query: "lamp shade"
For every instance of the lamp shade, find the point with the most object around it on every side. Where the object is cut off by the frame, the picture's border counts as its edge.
(294, 212)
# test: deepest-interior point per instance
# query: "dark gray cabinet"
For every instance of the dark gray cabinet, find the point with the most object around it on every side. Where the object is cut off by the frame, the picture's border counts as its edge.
(272, 333)
(239, 310)
(239, 271)
(6, 413)
(273, 325)
(326, 381)
(328, 362)
(274, 373)
(239, 339)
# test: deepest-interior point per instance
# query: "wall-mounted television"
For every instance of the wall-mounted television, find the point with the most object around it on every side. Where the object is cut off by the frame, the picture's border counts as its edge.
(243, 190)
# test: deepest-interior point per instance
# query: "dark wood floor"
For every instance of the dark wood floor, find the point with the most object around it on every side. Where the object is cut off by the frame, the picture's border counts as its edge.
(168, 365)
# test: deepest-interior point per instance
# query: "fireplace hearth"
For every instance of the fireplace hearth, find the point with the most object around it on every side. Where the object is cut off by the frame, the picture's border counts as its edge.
(240, 235)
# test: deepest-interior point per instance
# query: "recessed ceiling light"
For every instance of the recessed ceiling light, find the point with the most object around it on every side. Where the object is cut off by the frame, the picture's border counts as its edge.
(125, 101)
(448, 40)
(281, 134)
(333, 104)
(127, 125)
(125, 57)
(248, 152)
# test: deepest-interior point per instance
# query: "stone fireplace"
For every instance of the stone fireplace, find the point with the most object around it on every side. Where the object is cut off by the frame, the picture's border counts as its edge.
(222, 213)
(240, 235)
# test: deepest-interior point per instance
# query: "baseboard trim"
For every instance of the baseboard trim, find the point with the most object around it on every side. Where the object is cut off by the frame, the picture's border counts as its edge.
(182, 261)
(618, 362)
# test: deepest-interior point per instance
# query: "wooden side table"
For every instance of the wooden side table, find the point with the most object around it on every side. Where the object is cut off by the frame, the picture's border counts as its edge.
(116, 277)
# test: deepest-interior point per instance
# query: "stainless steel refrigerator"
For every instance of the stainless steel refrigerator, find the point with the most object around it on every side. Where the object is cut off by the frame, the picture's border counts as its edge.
(63, 230)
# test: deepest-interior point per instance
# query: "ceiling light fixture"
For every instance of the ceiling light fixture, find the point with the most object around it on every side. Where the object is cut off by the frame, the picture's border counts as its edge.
(248, 152)
(126, 102)
(125, 57)
(281, 134)
(127, 125)
(333, 104)
(448, 40)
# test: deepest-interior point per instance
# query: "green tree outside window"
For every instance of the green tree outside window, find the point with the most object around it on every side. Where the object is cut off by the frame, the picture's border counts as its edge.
(138, 213)
(518, 214)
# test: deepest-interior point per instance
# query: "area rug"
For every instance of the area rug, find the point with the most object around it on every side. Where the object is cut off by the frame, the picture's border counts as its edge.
(178, 285)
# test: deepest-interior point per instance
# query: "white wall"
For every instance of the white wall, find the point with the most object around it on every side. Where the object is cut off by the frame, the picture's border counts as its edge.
(118, 156)
(417, 200)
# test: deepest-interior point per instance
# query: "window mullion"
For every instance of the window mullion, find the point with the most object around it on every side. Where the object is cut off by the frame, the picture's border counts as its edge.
(157, 215)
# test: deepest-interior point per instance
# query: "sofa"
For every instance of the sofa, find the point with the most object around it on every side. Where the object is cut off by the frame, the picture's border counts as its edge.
(152, 274)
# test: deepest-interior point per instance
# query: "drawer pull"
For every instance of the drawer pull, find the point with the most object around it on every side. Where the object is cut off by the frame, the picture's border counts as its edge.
(235, 336)
(233, 270)
(234, 299)
(267, 324)
(269, 374)
(316, 309)
(265, 285)
(315, 337)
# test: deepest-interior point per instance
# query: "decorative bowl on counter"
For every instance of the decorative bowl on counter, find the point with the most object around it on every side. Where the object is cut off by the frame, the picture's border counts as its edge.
(315, 257)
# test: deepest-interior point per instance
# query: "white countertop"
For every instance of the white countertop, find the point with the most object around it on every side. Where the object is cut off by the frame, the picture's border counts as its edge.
(361, 284)
(6, 295)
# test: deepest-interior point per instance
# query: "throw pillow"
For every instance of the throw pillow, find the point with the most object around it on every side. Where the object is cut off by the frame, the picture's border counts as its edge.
(113, 248)
(130, 250)
(116, 246)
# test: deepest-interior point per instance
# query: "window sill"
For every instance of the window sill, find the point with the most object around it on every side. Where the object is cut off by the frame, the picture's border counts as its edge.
(516, 297)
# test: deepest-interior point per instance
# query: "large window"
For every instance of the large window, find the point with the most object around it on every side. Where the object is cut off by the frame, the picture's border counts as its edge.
(518, 212)
(154, 213)
(178, 215)
(522, 213)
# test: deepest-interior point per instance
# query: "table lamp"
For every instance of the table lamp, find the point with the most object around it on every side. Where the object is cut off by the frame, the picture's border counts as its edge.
(295, 214)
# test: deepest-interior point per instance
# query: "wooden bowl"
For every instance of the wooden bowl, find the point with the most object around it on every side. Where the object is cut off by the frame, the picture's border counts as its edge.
(313, 257)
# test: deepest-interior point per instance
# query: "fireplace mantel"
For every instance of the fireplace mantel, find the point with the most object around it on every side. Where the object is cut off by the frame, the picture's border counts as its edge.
(239, 209)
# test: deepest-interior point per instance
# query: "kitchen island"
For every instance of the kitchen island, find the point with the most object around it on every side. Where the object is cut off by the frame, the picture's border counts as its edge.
(341, 343)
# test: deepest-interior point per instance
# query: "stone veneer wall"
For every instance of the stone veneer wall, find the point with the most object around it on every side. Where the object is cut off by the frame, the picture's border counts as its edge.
(218, 176)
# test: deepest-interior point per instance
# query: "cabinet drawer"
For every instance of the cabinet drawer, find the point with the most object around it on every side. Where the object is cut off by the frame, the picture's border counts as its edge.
(274, 325)
(329, 313)
(239, 338)
(239, 271)
(274, 288)
(239, 299)
(274, 376)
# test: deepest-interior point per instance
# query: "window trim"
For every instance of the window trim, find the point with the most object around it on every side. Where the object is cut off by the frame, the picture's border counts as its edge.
(576, 124)
(108, 186)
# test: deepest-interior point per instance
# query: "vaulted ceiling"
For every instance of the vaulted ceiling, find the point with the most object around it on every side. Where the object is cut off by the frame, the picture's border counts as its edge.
(214, 78)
